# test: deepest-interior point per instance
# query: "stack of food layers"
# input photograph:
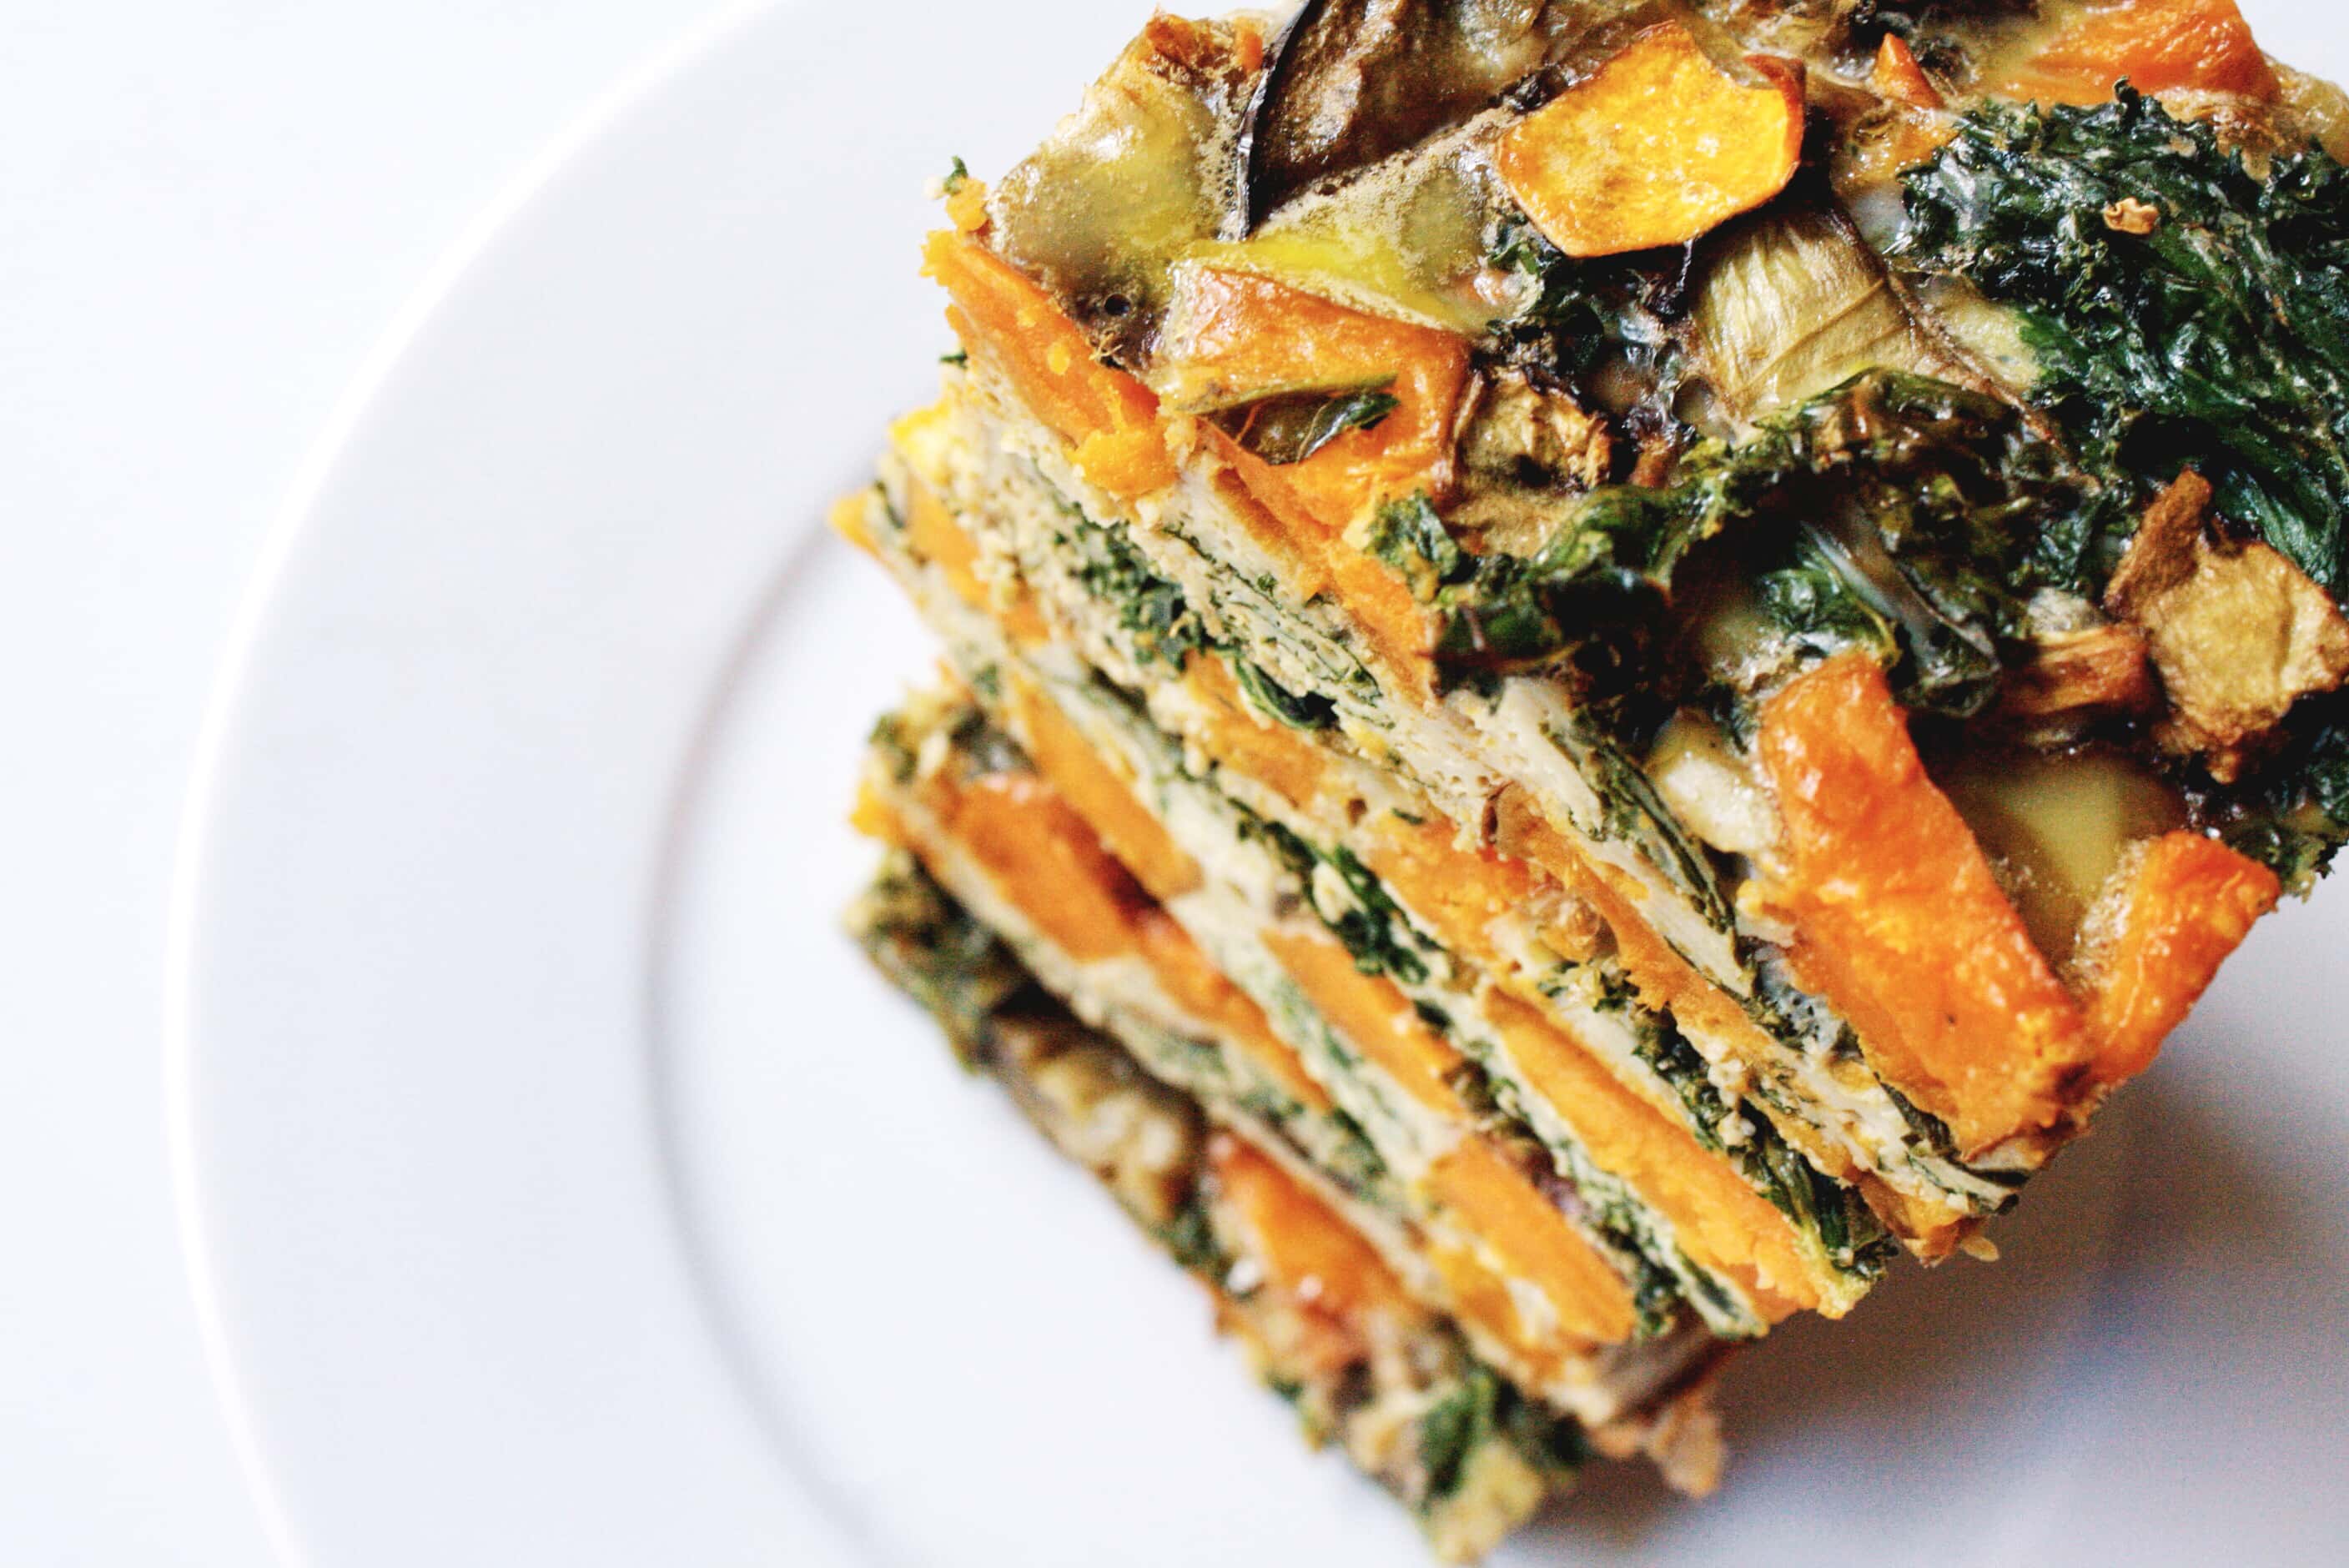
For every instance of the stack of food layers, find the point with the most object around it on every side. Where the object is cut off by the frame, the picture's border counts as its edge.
(1607, 663)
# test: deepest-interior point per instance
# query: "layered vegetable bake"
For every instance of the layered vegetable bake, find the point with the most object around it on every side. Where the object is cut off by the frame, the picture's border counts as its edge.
(1609, 660)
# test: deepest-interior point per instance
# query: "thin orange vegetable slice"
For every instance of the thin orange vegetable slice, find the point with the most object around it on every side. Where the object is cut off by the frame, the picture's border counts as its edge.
(1901, 922)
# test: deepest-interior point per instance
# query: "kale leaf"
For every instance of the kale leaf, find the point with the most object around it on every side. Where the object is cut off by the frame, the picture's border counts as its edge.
(1894, 509)
(1158, 620)
(2219, 338)
(1309, 711)
(1290, 427)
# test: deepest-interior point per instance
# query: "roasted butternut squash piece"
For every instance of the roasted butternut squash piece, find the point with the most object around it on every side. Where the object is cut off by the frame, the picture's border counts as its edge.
(1720, 1221)
(2187, 904)
(1234, 338)
(1459, 893)
(1201, 990)
(1040, 853)
(1534, 1242)
(1309, 1254)
(1899, 76)
(1377, 1018)
(847, 518)
(1658, 147)
(1101, 793)
(1268, 752)
(2155, 46)
(1010, 324)
(1901, 922)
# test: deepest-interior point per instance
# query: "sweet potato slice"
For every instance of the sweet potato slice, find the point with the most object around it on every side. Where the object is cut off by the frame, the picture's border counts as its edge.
(1376, 1017)
(1899, 76)
(1035, 848)
(1101, 793)
(1307, 1252)
(1533, 1243)
(2155, 46)
(1658, 147)
(2187, 904)
(1189, 976)
(1234, 337)
(1010, 324)
(1901, 922)
(1239, 737)
(1718, 1218)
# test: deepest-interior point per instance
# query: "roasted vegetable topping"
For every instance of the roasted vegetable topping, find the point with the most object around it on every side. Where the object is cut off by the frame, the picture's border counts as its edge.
(1658, 147)
(2219, 338)
(2239, 633)
(1353, 81)
(2155, 46)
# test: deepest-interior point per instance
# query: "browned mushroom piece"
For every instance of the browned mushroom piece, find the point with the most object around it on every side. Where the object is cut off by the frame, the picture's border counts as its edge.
(2238, 632)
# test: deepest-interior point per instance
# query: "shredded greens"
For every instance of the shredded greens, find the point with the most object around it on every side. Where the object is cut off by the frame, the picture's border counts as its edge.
(2219, 339)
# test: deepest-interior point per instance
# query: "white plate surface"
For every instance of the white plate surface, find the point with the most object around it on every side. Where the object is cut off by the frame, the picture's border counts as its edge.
(561, 1188)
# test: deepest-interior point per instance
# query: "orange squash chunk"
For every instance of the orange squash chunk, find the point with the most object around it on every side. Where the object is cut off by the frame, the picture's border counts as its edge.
(1315, 561)
(1658, 147)
(1481, 1299)
(1720, 1221)
(2187, 904)
(1200, 989)
(847, 518)
(1040, 854)
(1534, 1242)
(1233, 337)
(1899, 76)
(1046, 860)
(1306, 1250)
(1459, 893)
(2155, 46)
(1376, 1019)
(1101, 793)
(1010, 324)
(937, 538)
(1268, 752)
(1901, 923)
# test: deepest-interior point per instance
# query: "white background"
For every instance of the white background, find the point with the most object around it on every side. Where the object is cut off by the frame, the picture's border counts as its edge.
(208, 212)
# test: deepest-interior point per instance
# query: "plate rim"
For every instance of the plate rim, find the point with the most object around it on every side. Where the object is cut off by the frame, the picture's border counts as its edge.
(609, 113)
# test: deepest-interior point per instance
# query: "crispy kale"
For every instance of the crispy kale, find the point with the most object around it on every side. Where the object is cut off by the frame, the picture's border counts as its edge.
(1894, 509)
(2185, 311)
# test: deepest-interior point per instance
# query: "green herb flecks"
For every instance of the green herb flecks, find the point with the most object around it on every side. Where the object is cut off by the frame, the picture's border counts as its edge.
(1159, 623)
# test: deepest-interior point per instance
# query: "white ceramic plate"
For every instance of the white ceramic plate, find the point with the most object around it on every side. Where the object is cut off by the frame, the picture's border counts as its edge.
(560, 1187)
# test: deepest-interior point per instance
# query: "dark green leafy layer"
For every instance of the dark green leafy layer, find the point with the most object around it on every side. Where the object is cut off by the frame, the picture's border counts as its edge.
(1848, 1232)
(1161, 624)
(1292, 427)
(930, 948)
(1895, 512)
(2219, 340)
